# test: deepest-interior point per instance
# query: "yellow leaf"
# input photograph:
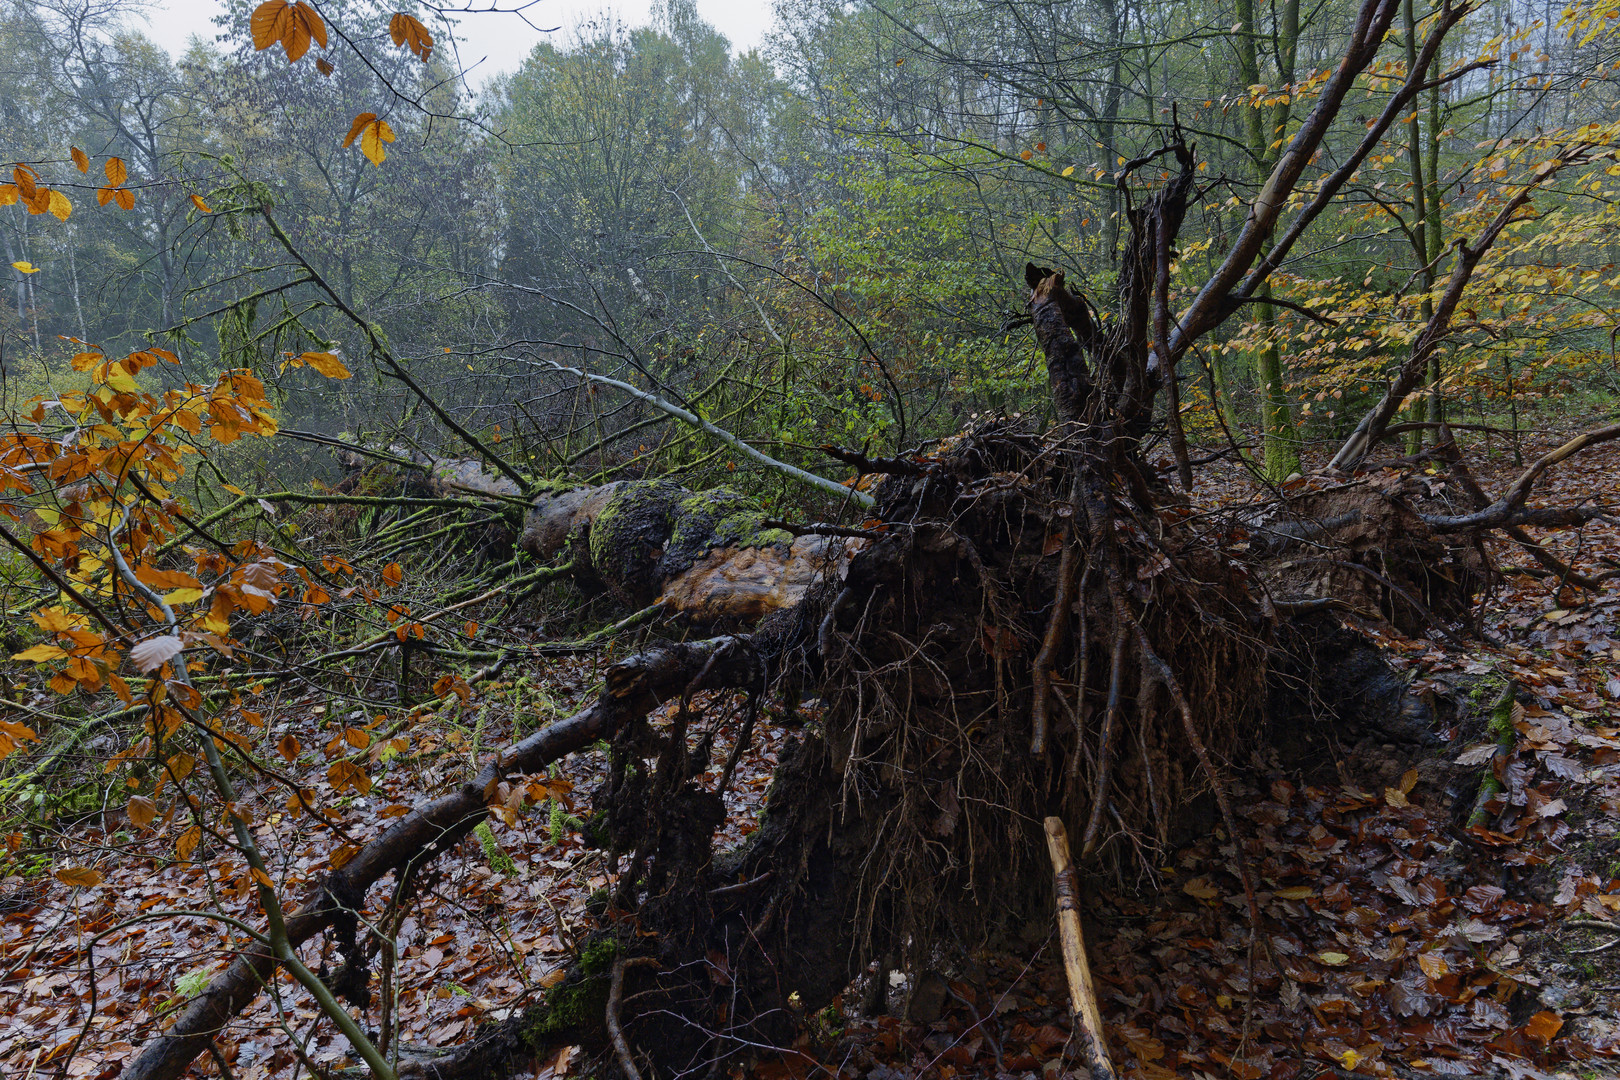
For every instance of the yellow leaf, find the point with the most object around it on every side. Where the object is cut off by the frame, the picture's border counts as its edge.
(25, 267)
(80, 159)
(325, 363)
(39, 654)
(371, 143)
(116, 171)
(187, 843)
(407, 30)
(125, 198)
(1333, 959)
(1069, 171)
(61, 206)
(78, 877)
(1200, 888)
(53, 620)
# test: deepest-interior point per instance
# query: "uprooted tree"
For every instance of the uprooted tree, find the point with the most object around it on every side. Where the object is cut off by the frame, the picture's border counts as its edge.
(1024, 623)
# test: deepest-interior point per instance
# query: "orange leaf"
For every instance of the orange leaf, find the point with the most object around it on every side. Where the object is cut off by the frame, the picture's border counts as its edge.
(289, 746)
(310, 22)
(78, 877)
(1543, 1026)
(196, 200)
(408, 30)
(25, 177)
(393, 574)
(361, 122)
(267, 23)
(80, 159)
(187, 843)
(117, 172)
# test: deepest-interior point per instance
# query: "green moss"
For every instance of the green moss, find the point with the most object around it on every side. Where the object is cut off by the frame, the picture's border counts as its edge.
(560, 485)
(575, 1008)
(562, 823)
(598, 954)
(499, 861)
(630, 533)
(716, 519)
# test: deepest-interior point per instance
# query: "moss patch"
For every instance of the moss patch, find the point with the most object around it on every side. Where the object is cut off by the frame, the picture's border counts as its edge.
(575, 1009)
(628, 536)
(716, 519)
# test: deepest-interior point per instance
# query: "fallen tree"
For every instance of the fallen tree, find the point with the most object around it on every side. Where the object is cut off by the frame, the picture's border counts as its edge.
(1035, 625)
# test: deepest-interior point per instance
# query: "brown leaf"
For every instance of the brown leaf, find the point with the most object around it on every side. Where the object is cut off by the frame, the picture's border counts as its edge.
(142, 811)
(289, 746)
(346, 774)
(78, 877)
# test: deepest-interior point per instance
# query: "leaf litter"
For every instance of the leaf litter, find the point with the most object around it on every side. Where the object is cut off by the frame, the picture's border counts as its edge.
(1401, 941)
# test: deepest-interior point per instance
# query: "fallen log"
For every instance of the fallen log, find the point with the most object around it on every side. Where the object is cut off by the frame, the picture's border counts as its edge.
(712, 556)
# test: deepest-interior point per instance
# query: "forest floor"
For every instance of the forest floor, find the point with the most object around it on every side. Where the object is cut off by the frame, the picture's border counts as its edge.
(1401, 943)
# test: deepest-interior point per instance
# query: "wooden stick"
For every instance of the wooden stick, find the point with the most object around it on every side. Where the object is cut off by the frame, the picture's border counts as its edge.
(1082, 995)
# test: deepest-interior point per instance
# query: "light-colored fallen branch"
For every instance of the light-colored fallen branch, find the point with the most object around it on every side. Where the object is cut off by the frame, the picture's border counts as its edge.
(621, 1045)
(1082, 995)
(820, 483)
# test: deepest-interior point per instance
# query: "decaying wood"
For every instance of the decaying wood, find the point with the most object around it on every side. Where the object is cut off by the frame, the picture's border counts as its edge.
(709, 556)
(1082, 994)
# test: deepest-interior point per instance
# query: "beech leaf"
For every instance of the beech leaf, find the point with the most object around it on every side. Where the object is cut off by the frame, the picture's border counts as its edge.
(153, 653)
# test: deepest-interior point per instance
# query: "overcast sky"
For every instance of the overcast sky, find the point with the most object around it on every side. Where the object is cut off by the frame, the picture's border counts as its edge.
(493, 42)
